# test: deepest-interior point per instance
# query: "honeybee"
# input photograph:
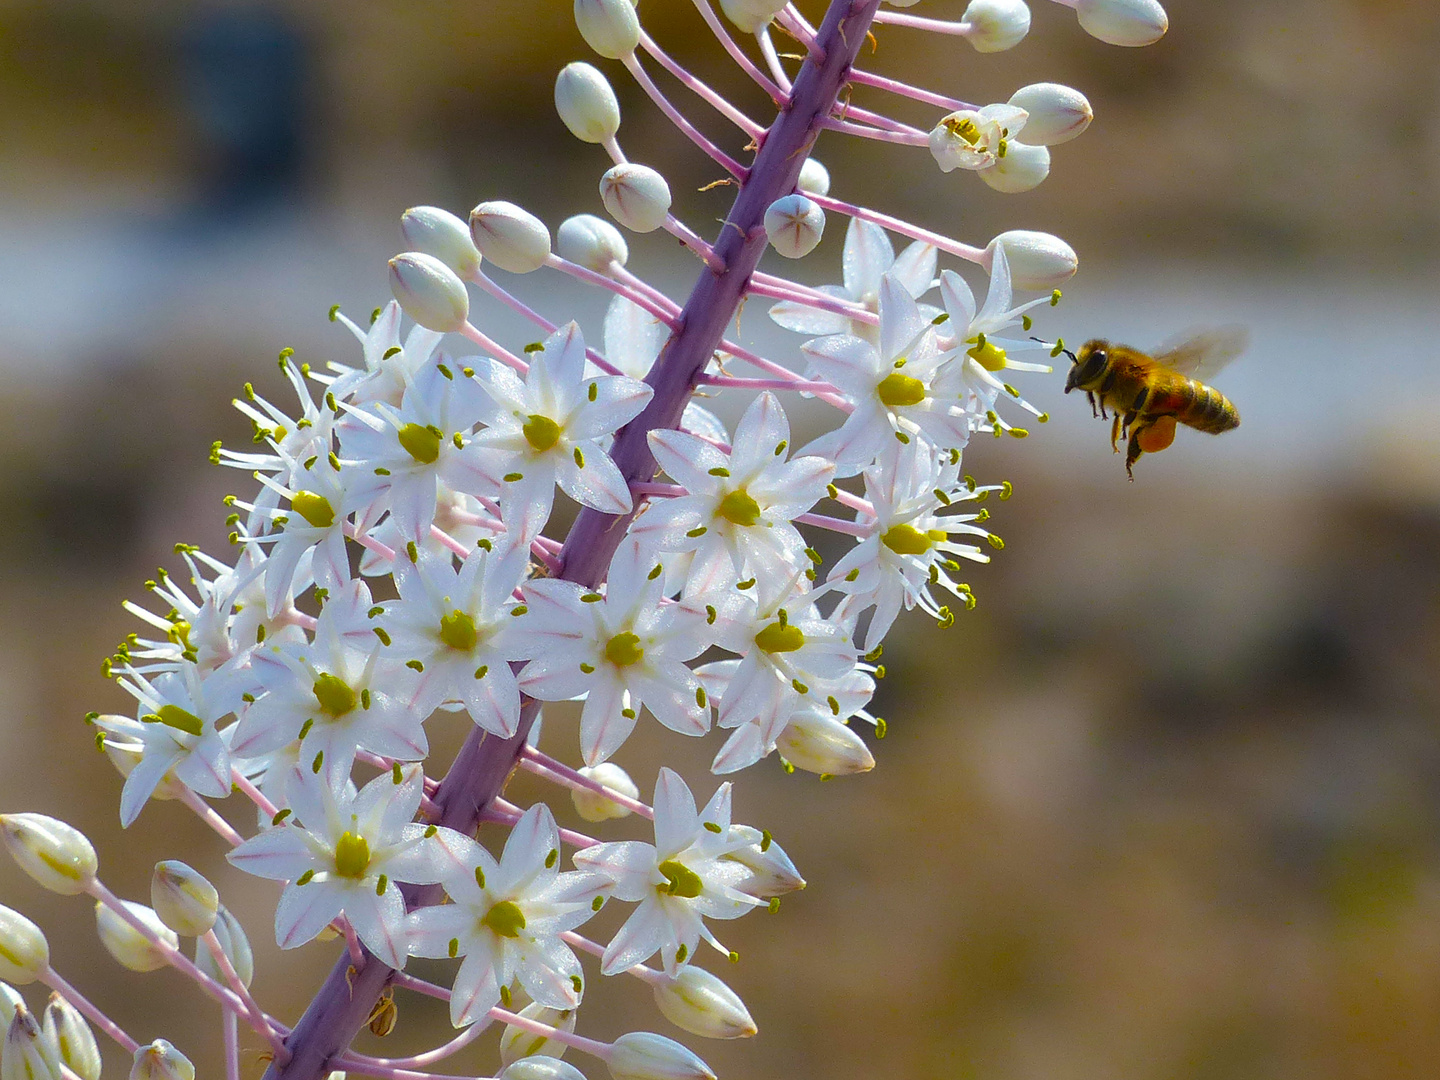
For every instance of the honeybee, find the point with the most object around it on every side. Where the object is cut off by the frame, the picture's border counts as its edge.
(1149, 395)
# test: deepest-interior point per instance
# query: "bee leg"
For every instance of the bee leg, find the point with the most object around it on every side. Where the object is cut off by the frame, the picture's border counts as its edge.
(1093, 411)
(1133, 452)
(1115, 434)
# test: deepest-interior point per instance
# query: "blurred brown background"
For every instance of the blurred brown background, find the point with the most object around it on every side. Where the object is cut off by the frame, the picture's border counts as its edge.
(1164, 806)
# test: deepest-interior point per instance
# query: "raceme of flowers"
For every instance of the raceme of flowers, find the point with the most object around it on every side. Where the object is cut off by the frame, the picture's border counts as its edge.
(394, 568)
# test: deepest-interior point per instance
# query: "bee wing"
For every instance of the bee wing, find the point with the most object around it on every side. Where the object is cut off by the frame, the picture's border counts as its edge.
(1203, 354)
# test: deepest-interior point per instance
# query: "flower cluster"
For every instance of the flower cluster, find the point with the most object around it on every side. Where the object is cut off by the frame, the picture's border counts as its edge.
(397, 568)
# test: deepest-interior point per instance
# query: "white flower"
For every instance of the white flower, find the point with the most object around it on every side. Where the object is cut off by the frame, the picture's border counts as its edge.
(679, 881)
(975, 138)
(623, 650)
(344, 851)
(507, 918)
(388, 364)
(740, 505)
(310, 543)
(868, 258)
(547, 429)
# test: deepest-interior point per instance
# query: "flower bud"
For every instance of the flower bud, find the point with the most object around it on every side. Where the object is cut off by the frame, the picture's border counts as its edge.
(996, 25)
(439, 233)
(636, 195)
(10, 1000)
(750, 16)
(1123, 22)
(28, 1054)
(593, 807)
(24, 952)
(702, 1004)
(771, 871)
(183, 899)
(814, 178)
(586, 103)
(429, 291)
(72, 1038)
(592, 242)
(161, 1061)
(129, 946)
(55, 854)
(541, 1067)
(1022, 168)
(610, 27)
(1057, 113)
(234, 944)
(641, 1055)
(511, 238)
(794, 225)
(516, 1043)
(1038, 261)
(821, 744)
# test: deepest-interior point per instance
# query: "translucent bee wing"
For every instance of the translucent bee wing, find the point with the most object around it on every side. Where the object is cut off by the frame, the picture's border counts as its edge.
(1203, 354)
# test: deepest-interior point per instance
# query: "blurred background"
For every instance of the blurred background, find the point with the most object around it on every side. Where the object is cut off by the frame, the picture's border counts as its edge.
(1164, 805)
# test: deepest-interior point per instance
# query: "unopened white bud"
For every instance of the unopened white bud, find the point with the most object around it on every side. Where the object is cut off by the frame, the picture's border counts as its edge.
(24, 952)
(10, 1000)
(610, 27)
(72, 1038)
(636, 195)
(429, 291)
(444, 235)
(821, 744)
(902, 3)
(511, 238)
(1037, 260)
(129, 946)
(161, 1061)
(540, 1067)
(1123, 22)
(1021, 168)
(641, 1055)
(592, 242)
(28, 1054)
(183, 899)
(751, 15)
(586, 103)
(593, 807)
(233, 943)
(702, 1004)
(55, 854)
(1057, 113)
(814, 178)
(771, 871)
(996, 25)
(516, 1043)
(794, 225)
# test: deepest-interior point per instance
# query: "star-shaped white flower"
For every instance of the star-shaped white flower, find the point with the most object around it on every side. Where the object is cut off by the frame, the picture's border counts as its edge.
(975, 139)
(507, 917)
(389, 364)
(680, 880)
(345, 852)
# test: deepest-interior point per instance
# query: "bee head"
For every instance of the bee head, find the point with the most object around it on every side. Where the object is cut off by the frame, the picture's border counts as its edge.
(1087, 364)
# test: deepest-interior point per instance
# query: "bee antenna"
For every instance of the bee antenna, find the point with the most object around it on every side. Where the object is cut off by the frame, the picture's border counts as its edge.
(1073, 358)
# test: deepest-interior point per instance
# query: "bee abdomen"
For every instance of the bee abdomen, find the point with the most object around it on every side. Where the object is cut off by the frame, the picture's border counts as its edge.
(1209, 410)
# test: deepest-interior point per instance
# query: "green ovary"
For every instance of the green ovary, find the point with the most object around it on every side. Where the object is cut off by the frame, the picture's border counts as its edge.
(334, 695)
(541, 432)
(177, 718)
(780, 637)
(352, 855)
(622, 650)
(906, 540)
(683, 881)
(739, 508)
(896, 390)
(421, 443)
(458, 631)
(315, 509)
(505, 918)
(989, 356)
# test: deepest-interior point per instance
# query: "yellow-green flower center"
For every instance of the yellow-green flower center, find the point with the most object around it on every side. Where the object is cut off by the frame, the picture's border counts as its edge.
(505, 918)
(780, 636)
(906, 540)
(989, 356)
(622, 650)
(334, 694)
(352, 855)
(541, 432)
(683, 881)
(421, 443)
(177, 718)
(315, 509)
(739, 508)
(458, 631)
(964, 128)
(896, 390)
